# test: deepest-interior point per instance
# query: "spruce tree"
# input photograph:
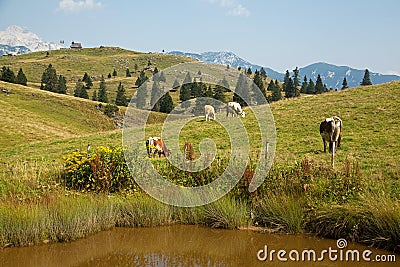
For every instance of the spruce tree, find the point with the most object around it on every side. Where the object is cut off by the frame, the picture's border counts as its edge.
(94, 96)
(21, 78)
(285, 81)
(162, 77)
(49, 79)
(156, 93)
(80, 90)
(141, 96)
(296, 77)
(87, 80)
(114, 74)
(166, 104)
(102, 95)
(209, 92)
(276, 93)
(218, 92)
(366, 80)
(121, 99)
(259, 82)
(344, 84)
(141, 79)
(271, 86)
(304, 85)
(263, 73)
(128, 73)
(290, 90)
(311, 87)
(249, 72)
(61, 85)
(224, 83)
(241, 94)
(185, 91)
(319, 86)
(7, 75)
(109, 76)
(176, 84)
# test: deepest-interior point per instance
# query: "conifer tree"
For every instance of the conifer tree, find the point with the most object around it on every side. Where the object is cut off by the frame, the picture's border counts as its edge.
(141, 96)
(185, 91)
(80, 90)
(94, 96)
(61, 85)
(7, 75)
(114, 74)
(128, 73)
(344, 84)
(311, 87)
(156, 94)
(121, 99)
(290, 90)
(259, 82)
(241, 94)
(209, 92)
(21, 78)
(109, 76)
(166, 104)
(296, 77)
(176, 84)
(87, 80)
(218, 92)
(285, 80)
(155, 71)
(304, 85)
(276, 93)
(366, 80)
(249, 72)
(271, 86)
(49, 79)
(141, 79)
(263, 73)
(319, 86)
(102, 95)
(162, 77)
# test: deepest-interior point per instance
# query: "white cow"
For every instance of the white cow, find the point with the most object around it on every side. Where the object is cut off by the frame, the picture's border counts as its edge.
(209, 111)
(235, 109)
(331, 132)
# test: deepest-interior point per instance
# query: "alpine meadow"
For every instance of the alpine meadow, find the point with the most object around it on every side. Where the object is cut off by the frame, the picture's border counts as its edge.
(63, 174)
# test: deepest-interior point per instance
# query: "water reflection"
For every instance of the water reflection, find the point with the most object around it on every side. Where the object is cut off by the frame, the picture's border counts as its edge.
(179, 245)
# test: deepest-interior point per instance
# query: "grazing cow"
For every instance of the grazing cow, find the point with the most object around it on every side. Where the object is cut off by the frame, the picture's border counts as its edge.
(235, 109)
(331, 131)
(155, 145)
(209, 111)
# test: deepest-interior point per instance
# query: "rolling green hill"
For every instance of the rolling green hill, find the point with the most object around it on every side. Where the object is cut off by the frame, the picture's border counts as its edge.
(73, 63)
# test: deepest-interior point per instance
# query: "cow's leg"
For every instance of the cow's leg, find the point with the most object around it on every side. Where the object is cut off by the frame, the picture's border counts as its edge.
(323, 140)
(330, 147)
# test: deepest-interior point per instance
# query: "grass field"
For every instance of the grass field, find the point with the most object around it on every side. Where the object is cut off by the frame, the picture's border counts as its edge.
(38, 128)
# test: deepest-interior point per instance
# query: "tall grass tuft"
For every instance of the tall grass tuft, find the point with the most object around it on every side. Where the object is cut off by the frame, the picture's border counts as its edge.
(227, 212)
(281, 213)
(373, 220)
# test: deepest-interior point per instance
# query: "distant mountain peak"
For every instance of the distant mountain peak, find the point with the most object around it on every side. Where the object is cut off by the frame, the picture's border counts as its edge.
(331, 75)
(20, 36)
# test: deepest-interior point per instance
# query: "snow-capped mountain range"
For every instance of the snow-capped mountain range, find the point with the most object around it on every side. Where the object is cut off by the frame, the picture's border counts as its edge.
(331, 75)
(16, 39)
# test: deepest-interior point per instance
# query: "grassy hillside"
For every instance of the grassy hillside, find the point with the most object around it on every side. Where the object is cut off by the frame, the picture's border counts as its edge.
(95, 61)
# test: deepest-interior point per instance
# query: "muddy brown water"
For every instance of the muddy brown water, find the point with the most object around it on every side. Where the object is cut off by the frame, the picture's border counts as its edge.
(188, 245)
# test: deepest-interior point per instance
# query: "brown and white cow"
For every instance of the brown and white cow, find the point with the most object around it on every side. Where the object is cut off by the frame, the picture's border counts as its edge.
(331, 132)
(209, 111)
(235, 109)
(155, 145)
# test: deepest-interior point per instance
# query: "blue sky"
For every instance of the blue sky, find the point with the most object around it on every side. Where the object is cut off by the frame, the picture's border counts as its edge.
(276, 34)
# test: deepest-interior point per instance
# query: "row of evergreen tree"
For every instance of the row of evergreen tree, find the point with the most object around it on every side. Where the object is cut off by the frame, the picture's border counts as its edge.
(7, 75)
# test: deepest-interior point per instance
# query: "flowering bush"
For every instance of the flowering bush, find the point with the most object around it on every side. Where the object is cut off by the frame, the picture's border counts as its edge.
(103, 171)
